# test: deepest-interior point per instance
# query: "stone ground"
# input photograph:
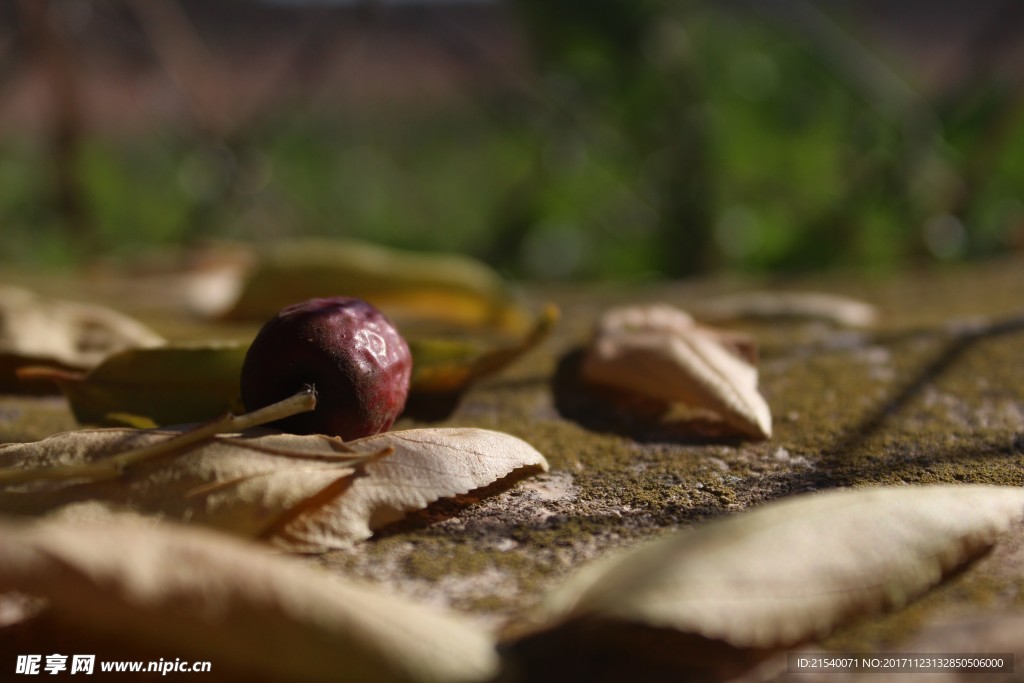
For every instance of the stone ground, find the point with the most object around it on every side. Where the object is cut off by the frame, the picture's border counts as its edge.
(933, 393)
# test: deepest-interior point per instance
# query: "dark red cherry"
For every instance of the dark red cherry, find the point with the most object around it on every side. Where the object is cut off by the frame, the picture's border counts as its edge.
(347, 350)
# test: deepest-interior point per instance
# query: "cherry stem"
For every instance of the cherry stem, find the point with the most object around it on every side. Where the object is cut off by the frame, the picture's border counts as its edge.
(115, 465)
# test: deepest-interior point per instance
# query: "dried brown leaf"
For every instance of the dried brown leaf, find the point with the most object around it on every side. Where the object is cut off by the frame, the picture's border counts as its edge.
(793, 570)
(299, 492)
(659, 351)
(210, 597)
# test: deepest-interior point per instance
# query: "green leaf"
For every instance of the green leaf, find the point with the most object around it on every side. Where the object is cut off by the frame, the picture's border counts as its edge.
(164, 385)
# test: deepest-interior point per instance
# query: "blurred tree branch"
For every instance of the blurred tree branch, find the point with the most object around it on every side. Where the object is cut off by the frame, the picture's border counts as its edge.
(981, 55)
(222, 122)
(201, 77)
(51, 51)
(619, 74)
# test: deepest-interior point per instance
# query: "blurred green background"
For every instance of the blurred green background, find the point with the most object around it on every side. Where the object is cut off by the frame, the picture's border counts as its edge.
(568, 140)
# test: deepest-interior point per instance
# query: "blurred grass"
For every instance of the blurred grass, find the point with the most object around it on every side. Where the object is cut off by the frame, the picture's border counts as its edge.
(726, 135)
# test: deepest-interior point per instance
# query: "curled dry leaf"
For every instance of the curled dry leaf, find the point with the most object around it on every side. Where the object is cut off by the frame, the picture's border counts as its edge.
(834, 308)
(35, 329)
(405, 285)
(660, 352)
(302, 493)
(207, 597)
(793, 570)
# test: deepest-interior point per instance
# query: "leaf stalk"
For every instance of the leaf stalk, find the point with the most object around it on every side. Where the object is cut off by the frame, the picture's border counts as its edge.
(114, 466)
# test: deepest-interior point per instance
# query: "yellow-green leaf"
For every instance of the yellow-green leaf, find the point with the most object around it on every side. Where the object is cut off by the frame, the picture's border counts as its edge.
(450, 365)
(163, 385)
(409, 286)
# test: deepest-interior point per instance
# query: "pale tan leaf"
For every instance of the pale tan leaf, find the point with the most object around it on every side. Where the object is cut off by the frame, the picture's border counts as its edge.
(37, 329)
(834, 308)
(1002, 632)
(75, 334)
(793, 570)
(204, 596)
(427, 464)
(995, 639)
(299, 492)
(259, 476)
(659, 351)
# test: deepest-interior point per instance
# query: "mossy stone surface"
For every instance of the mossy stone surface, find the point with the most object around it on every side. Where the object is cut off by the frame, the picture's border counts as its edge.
(933, 393)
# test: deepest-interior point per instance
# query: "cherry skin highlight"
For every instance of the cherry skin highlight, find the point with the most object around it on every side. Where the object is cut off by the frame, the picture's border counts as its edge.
(347, 350)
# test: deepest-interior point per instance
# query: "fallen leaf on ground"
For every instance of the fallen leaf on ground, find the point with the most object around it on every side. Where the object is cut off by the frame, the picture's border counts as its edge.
(785, 573)
(406, 285)
(834, 308)
(658, 351)
(204, 596)
(302, 493)
(36, 329)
